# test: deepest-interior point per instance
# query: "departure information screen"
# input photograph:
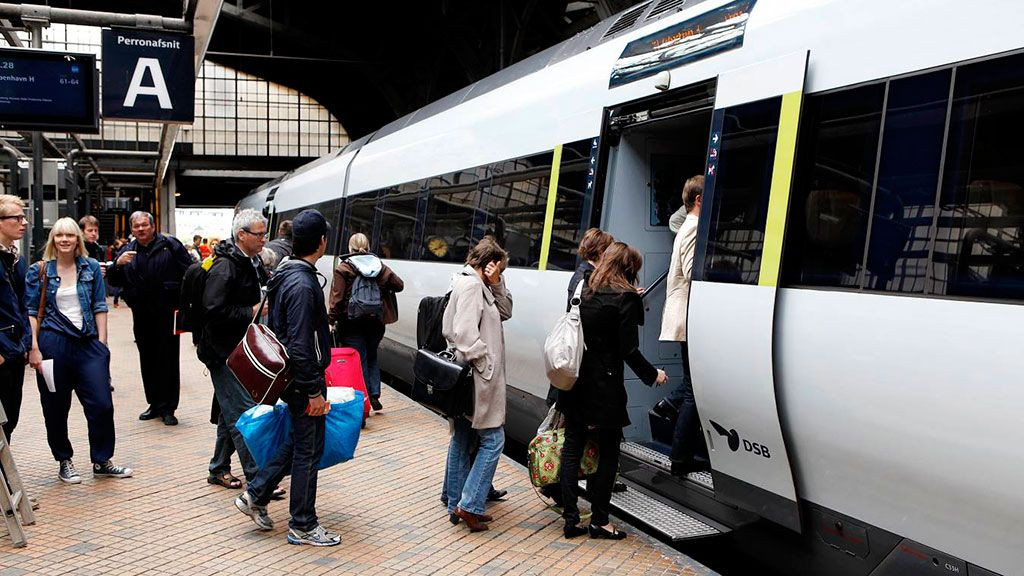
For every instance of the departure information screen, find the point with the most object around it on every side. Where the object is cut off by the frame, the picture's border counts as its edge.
(42, 90)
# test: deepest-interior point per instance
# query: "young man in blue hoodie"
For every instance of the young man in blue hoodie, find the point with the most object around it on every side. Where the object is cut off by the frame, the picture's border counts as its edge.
(299, 319)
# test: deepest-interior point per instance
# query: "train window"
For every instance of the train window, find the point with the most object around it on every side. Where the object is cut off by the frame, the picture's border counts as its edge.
(908, 176)
(742, 185)
(451, 208)
(831, 196)
(398, 223)
(331, 210)
(979, 246)
(359, 216)
(572, 205)
(514, 200)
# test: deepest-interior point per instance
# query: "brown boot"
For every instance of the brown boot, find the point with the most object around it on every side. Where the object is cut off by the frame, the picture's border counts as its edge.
(474, 521)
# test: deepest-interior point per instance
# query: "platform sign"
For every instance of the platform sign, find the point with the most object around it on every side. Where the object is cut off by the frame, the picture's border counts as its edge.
(42, 90)
(148, 76)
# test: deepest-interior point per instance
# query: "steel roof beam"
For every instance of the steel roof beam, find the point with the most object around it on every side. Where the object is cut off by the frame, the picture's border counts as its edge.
(50, 15)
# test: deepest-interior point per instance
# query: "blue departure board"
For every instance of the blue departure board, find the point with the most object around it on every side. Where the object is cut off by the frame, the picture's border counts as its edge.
(41, 90)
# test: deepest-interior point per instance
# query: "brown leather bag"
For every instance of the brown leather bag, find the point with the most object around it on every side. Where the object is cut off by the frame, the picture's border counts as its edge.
(260, 362)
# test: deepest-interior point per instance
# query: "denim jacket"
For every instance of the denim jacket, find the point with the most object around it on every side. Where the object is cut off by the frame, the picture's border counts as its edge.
(91, 295)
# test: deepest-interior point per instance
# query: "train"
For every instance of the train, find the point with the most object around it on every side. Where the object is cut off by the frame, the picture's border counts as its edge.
(859, 273)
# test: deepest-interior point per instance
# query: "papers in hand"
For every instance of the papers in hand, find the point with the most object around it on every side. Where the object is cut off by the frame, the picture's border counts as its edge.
(47, 371)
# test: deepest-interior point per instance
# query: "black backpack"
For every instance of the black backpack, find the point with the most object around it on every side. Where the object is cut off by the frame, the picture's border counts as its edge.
(191, 315)
(429, 322)
(364, 302)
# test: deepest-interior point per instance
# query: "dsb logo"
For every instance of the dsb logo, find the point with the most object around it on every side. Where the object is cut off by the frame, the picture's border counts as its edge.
(733, 438)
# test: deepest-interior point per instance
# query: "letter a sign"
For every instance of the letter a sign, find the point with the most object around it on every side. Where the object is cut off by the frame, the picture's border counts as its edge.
(148, 76)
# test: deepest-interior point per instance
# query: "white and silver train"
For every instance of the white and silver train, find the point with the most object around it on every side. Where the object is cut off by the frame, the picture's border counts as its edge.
(859, 278)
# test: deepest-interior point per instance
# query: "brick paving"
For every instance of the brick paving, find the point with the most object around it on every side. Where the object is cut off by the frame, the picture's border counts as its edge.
(384, 503)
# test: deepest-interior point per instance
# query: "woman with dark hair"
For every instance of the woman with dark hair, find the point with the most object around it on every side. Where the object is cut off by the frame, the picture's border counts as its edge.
(595, 241)
(611, 313)
(472, 324)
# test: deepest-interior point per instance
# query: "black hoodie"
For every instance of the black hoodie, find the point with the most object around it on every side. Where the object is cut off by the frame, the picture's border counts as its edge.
(232, 288)
(298, 318)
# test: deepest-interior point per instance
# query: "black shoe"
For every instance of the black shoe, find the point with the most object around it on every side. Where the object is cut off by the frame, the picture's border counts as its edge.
(571, 531)
(444, 500)
(496, 495)
(375, 403)
(600, 533)
(619, 487)
(149, 415)
(454, 519)
(170, 420)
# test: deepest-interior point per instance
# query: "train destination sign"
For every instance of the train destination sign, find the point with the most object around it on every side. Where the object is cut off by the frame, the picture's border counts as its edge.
(148, 76)
(42, 90)
(710, 33)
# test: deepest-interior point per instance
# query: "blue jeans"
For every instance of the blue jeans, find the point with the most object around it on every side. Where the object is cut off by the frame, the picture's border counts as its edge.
(82, 366)
(233, 400)
(468, 480)
(299, 456)
(365, 335)
(686, 441)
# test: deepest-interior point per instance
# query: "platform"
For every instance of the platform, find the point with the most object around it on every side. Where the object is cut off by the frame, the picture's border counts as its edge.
(169, 520)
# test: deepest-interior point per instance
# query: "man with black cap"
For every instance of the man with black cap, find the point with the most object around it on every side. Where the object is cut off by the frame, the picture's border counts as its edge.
(298, 317)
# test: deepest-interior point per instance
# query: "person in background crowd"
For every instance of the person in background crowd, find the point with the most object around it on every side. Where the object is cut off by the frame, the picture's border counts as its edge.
(193, 248)
(71, 329)
(205, 250)
(299, 318)
(150, 269)
(113, 249)
(91, 228)
(364, 333)
(478, 305)
(282, 244)
(269, 259)
(230, 299)
(611, 313)
(689, 453)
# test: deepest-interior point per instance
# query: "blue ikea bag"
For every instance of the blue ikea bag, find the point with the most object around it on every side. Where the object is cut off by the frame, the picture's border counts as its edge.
(341, 431)
(265, 429)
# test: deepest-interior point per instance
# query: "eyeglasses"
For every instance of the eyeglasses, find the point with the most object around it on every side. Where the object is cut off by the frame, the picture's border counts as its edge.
(256, 234)
(18, 217)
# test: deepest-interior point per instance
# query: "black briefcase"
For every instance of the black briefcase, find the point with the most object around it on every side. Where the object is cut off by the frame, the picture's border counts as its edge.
(443, 384)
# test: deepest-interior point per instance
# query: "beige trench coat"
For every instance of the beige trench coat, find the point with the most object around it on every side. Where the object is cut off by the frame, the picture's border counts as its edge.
(472, 325)
(677, 287)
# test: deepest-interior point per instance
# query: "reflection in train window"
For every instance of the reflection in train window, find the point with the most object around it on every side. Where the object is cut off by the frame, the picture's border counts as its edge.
(979, 248)
(359, 217)
(834, 172)
(740, 205)
(451, 209)
(331, 210)
(908, 176)
(571, 204)
(397, 237)
(513, 201)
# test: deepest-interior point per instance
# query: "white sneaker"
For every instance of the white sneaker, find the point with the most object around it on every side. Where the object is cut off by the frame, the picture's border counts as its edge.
(258, 513)
(318, 536)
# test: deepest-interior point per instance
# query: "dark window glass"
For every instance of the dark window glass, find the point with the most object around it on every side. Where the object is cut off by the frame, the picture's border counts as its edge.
(979, 246)
(908, 176)
(359, 217)
(831, 196)
(331, 210)
(513, 200)
(572, 203)
(451, 209)
(398, 223)
(740, 203)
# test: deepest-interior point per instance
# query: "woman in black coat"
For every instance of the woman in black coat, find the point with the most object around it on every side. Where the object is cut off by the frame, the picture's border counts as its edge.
(611, 314)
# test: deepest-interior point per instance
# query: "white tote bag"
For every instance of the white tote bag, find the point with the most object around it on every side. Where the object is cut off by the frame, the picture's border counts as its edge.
(563, 348)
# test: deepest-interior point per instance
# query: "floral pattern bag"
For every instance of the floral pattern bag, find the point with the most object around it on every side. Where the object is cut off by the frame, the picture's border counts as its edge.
(545, 454)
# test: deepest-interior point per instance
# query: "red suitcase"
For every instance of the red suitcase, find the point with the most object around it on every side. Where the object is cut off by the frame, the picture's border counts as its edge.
(346, 370)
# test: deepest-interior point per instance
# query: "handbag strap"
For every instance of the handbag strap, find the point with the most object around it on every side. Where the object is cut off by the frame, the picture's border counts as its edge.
(576, 299)
(43, 279)
(259, 311)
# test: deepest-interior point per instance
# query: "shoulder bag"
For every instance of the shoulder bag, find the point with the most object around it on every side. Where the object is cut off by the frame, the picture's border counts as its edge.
(260, 362)
(563, 348)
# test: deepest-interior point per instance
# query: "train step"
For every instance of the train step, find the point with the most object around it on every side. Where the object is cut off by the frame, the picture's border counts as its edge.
(674, 523)
(661, 461)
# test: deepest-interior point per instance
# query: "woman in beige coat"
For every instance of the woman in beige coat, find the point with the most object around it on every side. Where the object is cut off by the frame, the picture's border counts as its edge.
(479, 303)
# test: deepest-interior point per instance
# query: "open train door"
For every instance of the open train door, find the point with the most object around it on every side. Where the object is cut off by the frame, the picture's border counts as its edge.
(736, 269)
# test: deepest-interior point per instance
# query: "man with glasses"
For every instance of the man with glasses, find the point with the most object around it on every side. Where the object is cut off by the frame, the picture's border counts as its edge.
(15, 332)
(230, 300)
(149, 269)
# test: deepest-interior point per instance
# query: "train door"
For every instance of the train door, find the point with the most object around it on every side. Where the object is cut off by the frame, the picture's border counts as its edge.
(732, 298)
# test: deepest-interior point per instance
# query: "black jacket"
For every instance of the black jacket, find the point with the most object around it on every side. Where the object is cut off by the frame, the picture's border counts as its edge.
(282, 247)
(611, 319)
(298, 318)
(15, 332)
(232, 288)
(152, 282)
